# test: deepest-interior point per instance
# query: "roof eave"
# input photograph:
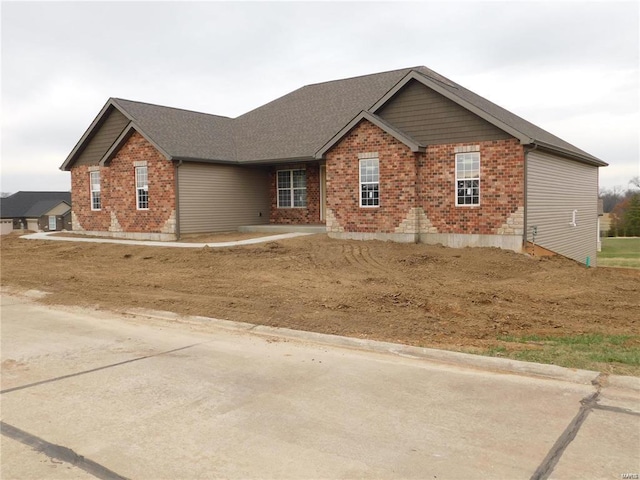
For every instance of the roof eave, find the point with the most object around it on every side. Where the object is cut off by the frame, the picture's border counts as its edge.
(123, 137)
(588, 159)
(71, 157)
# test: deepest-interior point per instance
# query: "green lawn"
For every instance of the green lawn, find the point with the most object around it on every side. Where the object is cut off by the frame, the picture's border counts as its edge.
(620, 252)
(617, 354)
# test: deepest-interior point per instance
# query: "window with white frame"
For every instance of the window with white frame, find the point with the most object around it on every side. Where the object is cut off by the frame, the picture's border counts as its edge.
(52, 222)
(94, 185)
(468, 178)
(292, 188)
(142, 188)
(369, 182)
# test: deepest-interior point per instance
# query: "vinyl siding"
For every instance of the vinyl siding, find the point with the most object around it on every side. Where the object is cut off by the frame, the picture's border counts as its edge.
(555, 188)
(219, 198)
(431, 118)
(103, 138)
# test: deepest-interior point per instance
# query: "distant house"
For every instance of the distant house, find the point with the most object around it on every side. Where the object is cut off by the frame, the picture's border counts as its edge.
(37, 211)
(406, 155)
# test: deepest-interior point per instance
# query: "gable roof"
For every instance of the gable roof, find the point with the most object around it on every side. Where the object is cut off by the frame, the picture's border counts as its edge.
(383, 125)
(31, 204)
(300, 126)
(518, 127)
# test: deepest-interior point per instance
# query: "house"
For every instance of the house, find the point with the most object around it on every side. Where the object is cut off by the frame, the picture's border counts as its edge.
(405, 155)
(37, 211)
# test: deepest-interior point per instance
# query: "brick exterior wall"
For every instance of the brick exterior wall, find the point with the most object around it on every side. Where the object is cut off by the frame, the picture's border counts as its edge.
(398, 177)
(299, 216)
(417, 190)
(118, 192)
(501, 187)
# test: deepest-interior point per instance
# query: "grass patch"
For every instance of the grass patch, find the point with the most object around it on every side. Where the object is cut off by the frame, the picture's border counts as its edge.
(620, 252)
(617, 354)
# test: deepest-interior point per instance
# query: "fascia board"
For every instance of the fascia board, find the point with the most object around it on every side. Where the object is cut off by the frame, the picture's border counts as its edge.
(571, 155)
(413, 75)
(123, 137)
(87, 134)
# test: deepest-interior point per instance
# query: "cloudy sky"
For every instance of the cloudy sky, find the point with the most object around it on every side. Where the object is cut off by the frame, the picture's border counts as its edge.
(569, 67)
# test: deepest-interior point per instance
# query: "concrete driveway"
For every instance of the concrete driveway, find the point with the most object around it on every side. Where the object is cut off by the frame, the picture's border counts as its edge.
(97, 394)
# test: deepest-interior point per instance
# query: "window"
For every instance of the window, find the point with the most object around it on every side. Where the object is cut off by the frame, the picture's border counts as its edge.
(52, 222)
(142, 188)
(369, 182)
(468, 178)
(94, 182)
(292, 188)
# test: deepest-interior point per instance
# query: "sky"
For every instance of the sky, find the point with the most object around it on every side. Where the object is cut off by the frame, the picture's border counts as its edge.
(570, 67)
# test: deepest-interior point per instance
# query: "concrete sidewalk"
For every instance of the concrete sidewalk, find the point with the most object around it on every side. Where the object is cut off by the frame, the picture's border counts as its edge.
(151, 396)
(249, 241)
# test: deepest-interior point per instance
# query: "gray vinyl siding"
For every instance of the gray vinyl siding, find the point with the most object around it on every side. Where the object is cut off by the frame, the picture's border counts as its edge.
(555, 188)
(102, 140)
(432, 119)
(219, 198)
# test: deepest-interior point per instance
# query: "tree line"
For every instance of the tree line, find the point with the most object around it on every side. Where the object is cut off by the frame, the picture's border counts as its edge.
(624, 207)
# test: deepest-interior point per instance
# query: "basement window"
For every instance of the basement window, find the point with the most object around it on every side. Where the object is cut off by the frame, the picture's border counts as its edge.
(142, 188)
(468, 178)
(292, 188)
(94, 186)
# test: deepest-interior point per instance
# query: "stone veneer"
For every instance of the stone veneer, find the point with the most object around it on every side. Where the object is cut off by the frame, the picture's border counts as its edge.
(119, 216)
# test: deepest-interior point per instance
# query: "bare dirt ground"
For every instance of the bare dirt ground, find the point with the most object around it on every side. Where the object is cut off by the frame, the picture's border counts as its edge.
(459, 299)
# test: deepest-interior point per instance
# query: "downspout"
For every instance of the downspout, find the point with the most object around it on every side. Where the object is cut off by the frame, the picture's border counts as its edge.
(177, 193)
(527, 151)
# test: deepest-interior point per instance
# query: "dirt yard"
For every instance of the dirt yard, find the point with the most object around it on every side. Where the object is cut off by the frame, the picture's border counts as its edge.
(459, 299)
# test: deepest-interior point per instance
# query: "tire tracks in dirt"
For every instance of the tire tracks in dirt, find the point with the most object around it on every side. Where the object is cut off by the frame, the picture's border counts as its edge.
(359, 256)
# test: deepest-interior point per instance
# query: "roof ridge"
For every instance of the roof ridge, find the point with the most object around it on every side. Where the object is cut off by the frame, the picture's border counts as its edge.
(408, 69)
(170, 108)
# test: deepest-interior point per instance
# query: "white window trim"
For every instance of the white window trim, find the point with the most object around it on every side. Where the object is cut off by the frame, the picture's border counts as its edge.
(144, 187)
(92, 191)
(361, 183)
(455, 181)
(291, 189)
(55, 222)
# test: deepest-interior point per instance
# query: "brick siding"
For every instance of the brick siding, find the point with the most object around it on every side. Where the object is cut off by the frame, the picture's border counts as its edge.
(398, 177)
(501, 187)
(118, 192)
(424, 181)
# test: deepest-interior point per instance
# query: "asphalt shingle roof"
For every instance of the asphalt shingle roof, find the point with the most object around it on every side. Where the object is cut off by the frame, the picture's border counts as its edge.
(31, 204)
(299, 124)
(183, 133)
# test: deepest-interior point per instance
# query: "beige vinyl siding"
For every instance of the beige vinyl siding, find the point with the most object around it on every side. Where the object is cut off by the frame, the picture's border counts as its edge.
(104, 137)
(219, 198)
(431, 118)
(555, 188)
(60, 209)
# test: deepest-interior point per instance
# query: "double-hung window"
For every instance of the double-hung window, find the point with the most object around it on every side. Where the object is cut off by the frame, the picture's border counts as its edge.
(468, 178)
(94, 186)
(292, 188)
(369, 182)
(142, 188)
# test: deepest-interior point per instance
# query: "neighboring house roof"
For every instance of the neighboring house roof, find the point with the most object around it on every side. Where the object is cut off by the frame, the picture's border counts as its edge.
(302, 124)
(32, 204)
